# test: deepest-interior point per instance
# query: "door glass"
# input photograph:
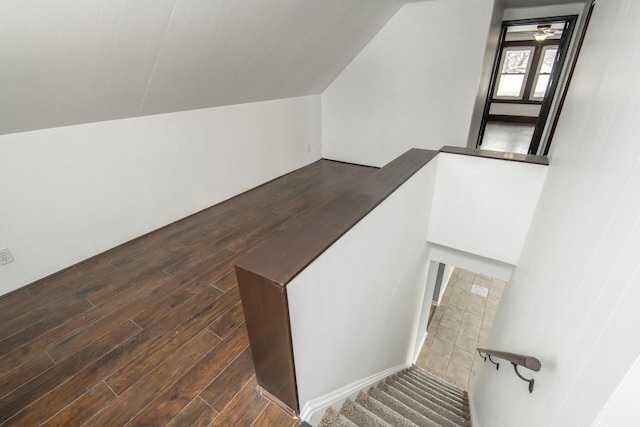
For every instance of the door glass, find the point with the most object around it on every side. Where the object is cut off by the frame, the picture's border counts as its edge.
(544, 72)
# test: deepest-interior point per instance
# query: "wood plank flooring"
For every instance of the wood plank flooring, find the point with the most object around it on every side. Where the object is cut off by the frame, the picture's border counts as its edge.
(152, 332)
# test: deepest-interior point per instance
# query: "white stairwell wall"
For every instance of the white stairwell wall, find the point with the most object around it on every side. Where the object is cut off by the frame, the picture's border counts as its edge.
(484, 206)
(73, 192)
(358, 312)
(573, 299)
(357, 320)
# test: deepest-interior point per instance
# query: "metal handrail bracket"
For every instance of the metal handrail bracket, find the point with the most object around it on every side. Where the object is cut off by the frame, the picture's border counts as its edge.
(516, 360)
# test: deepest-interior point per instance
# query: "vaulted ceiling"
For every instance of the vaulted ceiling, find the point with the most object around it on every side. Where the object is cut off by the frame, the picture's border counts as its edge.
(65, 62)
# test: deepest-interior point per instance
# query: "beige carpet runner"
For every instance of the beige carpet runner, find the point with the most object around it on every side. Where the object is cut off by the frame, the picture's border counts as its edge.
(411, 398)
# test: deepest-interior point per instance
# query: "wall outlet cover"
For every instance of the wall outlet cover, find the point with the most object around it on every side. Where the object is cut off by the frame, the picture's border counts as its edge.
(5, 256)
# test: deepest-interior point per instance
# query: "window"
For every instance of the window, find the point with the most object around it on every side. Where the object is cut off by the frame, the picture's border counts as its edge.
(516, 62)
(545, 67)
(525, 72)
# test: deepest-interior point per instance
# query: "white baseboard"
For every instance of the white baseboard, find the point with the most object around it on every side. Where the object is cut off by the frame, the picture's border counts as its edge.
(472, 410)
(320, 404)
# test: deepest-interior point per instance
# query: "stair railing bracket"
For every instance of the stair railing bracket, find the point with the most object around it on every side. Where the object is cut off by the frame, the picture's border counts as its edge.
(530, 381)
(516, 360)
(485, 356)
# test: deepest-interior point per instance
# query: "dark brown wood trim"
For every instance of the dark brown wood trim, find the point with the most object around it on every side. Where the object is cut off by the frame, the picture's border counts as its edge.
(350, 163)
(528, 120)
(561, 57)
(516, 101)
(497, 155)
(282, 257)
(264, 273)
(266, 312)
(569, 77)
(494, 74)
(548, 42)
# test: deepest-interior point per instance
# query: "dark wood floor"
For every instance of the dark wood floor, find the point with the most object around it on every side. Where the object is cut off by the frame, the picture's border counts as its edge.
(152, 332)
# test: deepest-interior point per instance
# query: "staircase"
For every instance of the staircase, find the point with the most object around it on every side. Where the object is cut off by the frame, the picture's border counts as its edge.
(408, 399)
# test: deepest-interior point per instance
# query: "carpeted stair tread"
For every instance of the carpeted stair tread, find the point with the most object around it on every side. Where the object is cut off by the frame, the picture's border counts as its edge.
(435, 382)
(361, 416)
(426, 401)
(444, 394)
(439, 382)
(428, 408)
(460, 399)
(409, 409)
(412, 398)
(329, 418)
(385, 412)
(431, 394)
(343, 421)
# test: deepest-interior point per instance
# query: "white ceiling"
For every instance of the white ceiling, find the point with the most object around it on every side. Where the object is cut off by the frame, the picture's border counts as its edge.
(66, 62)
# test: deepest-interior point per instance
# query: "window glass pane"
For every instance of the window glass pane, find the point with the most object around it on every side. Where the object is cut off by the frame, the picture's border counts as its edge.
(541, 86)
(548, 59)
(516, 61)
(510, 85)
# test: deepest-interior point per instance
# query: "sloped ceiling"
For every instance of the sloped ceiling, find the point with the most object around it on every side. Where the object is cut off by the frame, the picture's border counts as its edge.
(65, 62)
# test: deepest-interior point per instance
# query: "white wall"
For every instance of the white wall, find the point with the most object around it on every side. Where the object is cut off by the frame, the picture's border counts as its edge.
(351, 320)
(72, 192)
(357, 320)
(493, 38)
(622, 408)
(484, 206)
(413, 85)
(546, 11)
(573, 300)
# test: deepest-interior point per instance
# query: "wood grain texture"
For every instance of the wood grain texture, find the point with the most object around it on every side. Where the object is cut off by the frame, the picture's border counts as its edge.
(196, 414)
(150, 331)
(497, 155)
(243, 409)
(264, 273)
(272, 416)
(222, 389)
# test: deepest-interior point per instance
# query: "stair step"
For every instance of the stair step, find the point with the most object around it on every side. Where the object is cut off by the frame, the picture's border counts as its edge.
(425, 417)
(386, 413)
(329, 418)
(432, 378)
(425, 376)
(422, 383)
(411, 398)
(361, 416)
(427, 401)
(427, 386)
(428, 408)
(430, 394)
(343, 421)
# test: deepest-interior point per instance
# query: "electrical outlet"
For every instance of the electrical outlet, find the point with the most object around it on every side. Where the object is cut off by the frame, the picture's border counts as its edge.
(5, 256)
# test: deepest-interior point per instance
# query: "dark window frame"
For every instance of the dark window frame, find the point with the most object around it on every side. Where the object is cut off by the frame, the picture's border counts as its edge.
(570, 26)
(532, 72)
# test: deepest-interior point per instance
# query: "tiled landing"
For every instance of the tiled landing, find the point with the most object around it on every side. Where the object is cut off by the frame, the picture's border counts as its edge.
(460, 324)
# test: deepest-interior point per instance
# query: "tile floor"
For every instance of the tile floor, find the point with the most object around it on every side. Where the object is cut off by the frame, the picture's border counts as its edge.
(461, 323)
